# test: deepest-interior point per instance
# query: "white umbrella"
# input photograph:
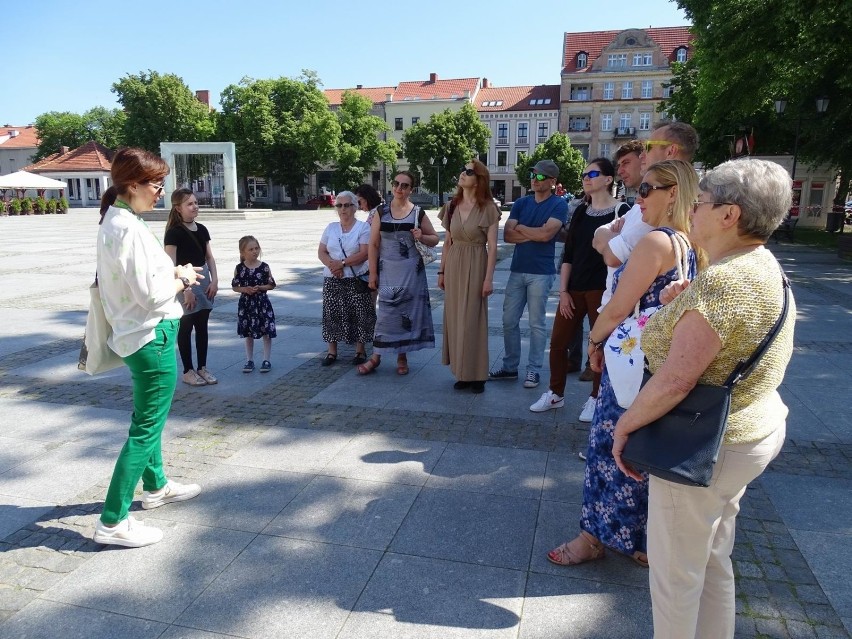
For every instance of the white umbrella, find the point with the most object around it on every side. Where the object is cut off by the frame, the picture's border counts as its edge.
(26, 180)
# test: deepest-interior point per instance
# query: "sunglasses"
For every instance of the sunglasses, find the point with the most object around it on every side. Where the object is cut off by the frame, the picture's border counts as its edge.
(158, 188)
(541, 177)
(698, 203)
(341, 205)
(590, 174)
(650, 144)
(400, 185)
(467, 172)
(646, 189)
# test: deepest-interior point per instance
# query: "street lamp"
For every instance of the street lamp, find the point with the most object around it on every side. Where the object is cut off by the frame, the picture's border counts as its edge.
(432, 161)
(781, 106)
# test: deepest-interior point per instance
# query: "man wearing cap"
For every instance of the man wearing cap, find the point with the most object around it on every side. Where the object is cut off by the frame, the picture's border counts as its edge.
(532, 227)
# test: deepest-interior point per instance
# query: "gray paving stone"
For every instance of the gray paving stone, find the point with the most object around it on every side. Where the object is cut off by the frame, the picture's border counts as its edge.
(156, 582)
(572, 608)
(42, 620)
(377, 457)
(345, 511)
(488, 469)
(832, 568)
(16, 512)
(284, 587)
(290, 449)
(176, 632)
(416, 597)
(448, 524)
(563, 479)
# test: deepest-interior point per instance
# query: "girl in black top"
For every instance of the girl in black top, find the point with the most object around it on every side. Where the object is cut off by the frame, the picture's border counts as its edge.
(188, 242)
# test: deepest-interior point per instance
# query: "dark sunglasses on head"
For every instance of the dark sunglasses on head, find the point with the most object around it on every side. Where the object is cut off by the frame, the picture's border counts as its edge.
(541, 177)
(645, 188)
(341, 205)
(467, 172)
(400, 185)
(590, 174)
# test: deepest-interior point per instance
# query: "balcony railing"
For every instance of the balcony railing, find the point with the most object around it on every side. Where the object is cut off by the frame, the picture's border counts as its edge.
(523, 140)
(503, 140)
(582, 96)
(625, 131)
(542, 139)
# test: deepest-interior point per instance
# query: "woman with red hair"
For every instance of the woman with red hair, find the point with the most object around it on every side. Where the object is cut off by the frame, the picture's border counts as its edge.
(466, 275)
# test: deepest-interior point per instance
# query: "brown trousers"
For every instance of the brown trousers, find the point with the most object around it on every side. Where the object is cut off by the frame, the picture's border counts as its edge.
(585, 303)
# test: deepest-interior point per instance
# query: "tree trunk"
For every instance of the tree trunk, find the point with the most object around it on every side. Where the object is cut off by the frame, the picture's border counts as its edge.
(294, 195)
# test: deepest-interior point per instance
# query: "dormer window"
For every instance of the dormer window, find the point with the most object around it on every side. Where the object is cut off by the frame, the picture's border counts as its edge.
(680, 54)
(582, 60)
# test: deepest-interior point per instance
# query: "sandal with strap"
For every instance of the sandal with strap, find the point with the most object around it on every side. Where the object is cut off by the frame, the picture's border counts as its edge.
(369, 366)
(640, 558)
(579, 550)
(402, 366)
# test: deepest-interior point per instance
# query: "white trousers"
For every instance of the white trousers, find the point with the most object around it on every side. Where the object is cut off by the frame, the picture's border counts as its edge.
(690, 538)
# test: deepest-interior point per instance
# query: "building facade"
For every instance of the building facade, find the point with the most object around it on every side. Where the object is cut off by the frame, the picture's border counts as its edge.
(18, 145)
(86, 169)
(613, 82)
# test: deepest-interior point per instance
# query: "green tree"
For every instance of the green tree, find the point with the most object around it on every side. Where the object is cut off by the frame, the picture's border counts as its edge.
(360, 147)
(57, 129)
(161, 108)
(457, 136)
(282, 129)
(557, 148)
(794, 49)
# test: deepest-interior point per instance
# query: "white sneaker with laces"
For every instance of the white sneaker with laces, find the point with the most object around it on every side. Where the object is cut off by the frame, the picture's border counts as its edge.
(588, 412)
(548, 401)
(129, 533)
(169, 493)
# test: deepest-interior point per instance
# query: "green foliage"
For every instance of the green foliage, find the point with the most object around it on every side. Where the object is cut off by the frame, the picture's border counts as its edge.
(281, 128)
(62, 205)
(39, 205)
(557, 148)
(26, 205)
(52, 206)
(15, 206)
(57, 129)
(360, 147)
(457, 136)
(161, 108)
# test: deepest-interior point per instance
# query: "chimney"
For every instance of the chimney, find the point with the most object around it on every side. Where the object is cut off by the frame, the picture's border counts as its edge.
(63, 150)
(485, 84)
(203, 96)
(433, 77)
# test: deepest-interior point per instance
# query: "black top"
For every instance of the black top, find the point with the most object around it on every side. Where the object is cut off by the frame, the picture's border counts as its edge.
(588, 270)
(191, 245)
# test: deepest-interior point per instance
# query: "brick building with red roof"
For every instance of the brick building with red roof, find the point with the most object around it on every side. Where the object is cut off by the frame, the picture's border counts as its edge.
(613, 81)
(85, 169)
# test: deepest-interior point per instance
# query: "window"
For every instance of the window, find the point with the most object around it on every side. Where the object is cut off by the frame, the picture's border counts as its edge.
(642, 59)
(647, 89)
(616, 60)
(624, 120)
(681, 54)
(606, 121)
(579, 123)
(483, 157)
(583, 149)
(523, 133)
(93, 188)
(503, 133)
(538, 101)
(604, 150)
(582, 60)
(492, 103)
(667, 90)
(258, 188)
(581, 93)
(415, 119)
(397, 124)
(609, 90)
(626, 90)
(72, 191)
(502, 158)
(543, 131)
(645, 121)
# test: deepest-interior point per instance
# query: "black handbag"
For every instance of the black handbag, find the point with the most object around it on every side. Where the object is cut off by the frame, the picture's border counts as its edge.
(682, 446)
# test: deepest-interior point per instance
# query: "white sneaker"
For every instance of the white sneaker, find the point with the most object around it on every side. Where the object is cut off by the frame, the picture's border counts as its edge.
(169, 493)
(129, 533)
(588, 412)
(547, 401)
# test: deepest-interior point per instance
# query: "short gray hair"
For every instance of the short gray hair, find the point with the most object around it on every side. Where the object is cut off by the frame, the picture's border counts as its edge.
(680, 133)
(763, 190)
(352, 197)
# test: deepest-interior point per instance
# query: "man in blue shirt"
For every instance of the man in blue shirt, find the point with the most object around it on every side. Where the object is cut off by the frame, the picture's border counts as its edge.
(532, 227)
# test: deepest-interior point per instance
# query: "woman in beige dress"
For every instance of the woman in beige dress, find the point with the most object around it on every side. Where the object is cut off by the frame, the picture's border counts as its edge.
(466, 275)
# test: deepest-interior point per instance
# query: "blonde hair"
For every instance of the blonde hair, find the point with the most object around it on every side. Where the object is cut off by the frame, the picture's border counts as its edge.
(178, 198)
(243, 243)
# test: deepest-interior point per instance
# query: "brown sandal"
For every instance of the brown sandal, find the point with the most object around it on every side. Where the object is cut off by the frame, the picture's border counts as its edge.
(640, 558)
(402, 366)
(579, 550)
(369, 366)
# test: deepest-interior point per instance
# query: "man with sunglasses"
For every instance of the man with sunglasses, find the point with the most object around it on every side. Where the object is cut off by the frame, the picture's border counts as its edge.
(532, 227)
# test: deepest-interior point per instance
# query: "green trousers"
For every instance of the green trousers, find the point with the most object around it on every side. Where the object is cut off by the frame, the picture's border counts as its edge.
(153, 369)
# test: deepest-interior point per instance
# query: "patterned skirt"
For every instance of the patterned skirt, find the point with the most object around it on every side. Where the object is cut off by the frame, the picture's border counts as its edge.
(347, 315)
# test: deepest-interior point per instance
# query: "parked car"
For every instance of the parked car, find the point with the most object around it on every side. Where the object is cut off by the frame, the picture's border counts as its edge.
(323, 200)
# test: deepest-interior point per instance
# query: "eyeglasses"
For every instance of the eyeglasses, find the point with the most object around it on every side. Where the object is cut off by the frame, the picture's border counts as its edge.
(645, 189)
(400, 185)
(467, 172)
(698, 203)
(590, 174)
(541, 177)
(650, 144)
(158, 187)
(342, 205)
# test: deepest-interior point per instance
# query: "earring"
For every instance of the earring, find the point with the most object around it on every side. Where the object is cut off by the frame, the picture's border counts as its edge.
(670, 212)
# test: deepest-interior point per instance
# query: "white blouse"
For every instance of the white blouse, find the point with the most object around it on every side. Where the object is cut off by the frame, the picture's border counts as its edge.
(333, 236)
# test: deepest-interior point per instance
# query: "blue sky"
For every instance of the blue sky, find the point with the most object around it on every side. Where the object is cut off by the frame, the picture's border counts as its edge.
(64, 56)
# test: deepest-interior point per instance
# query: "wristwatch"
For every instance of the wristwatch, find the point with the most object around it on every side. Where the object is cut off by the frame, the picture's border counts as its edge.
(186, 282)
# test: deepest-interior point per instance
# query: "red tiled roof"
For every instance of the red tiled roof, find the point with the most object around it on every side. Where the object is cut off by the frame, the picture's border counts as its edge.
(517, 98)
(89, 157)
(27, 137)
(441, 89)
(593, 42)
(376, 95)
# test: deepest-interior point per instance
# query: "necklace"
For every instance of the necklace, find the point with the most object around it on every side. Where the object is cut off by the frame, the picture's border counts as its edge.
(592, 212)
